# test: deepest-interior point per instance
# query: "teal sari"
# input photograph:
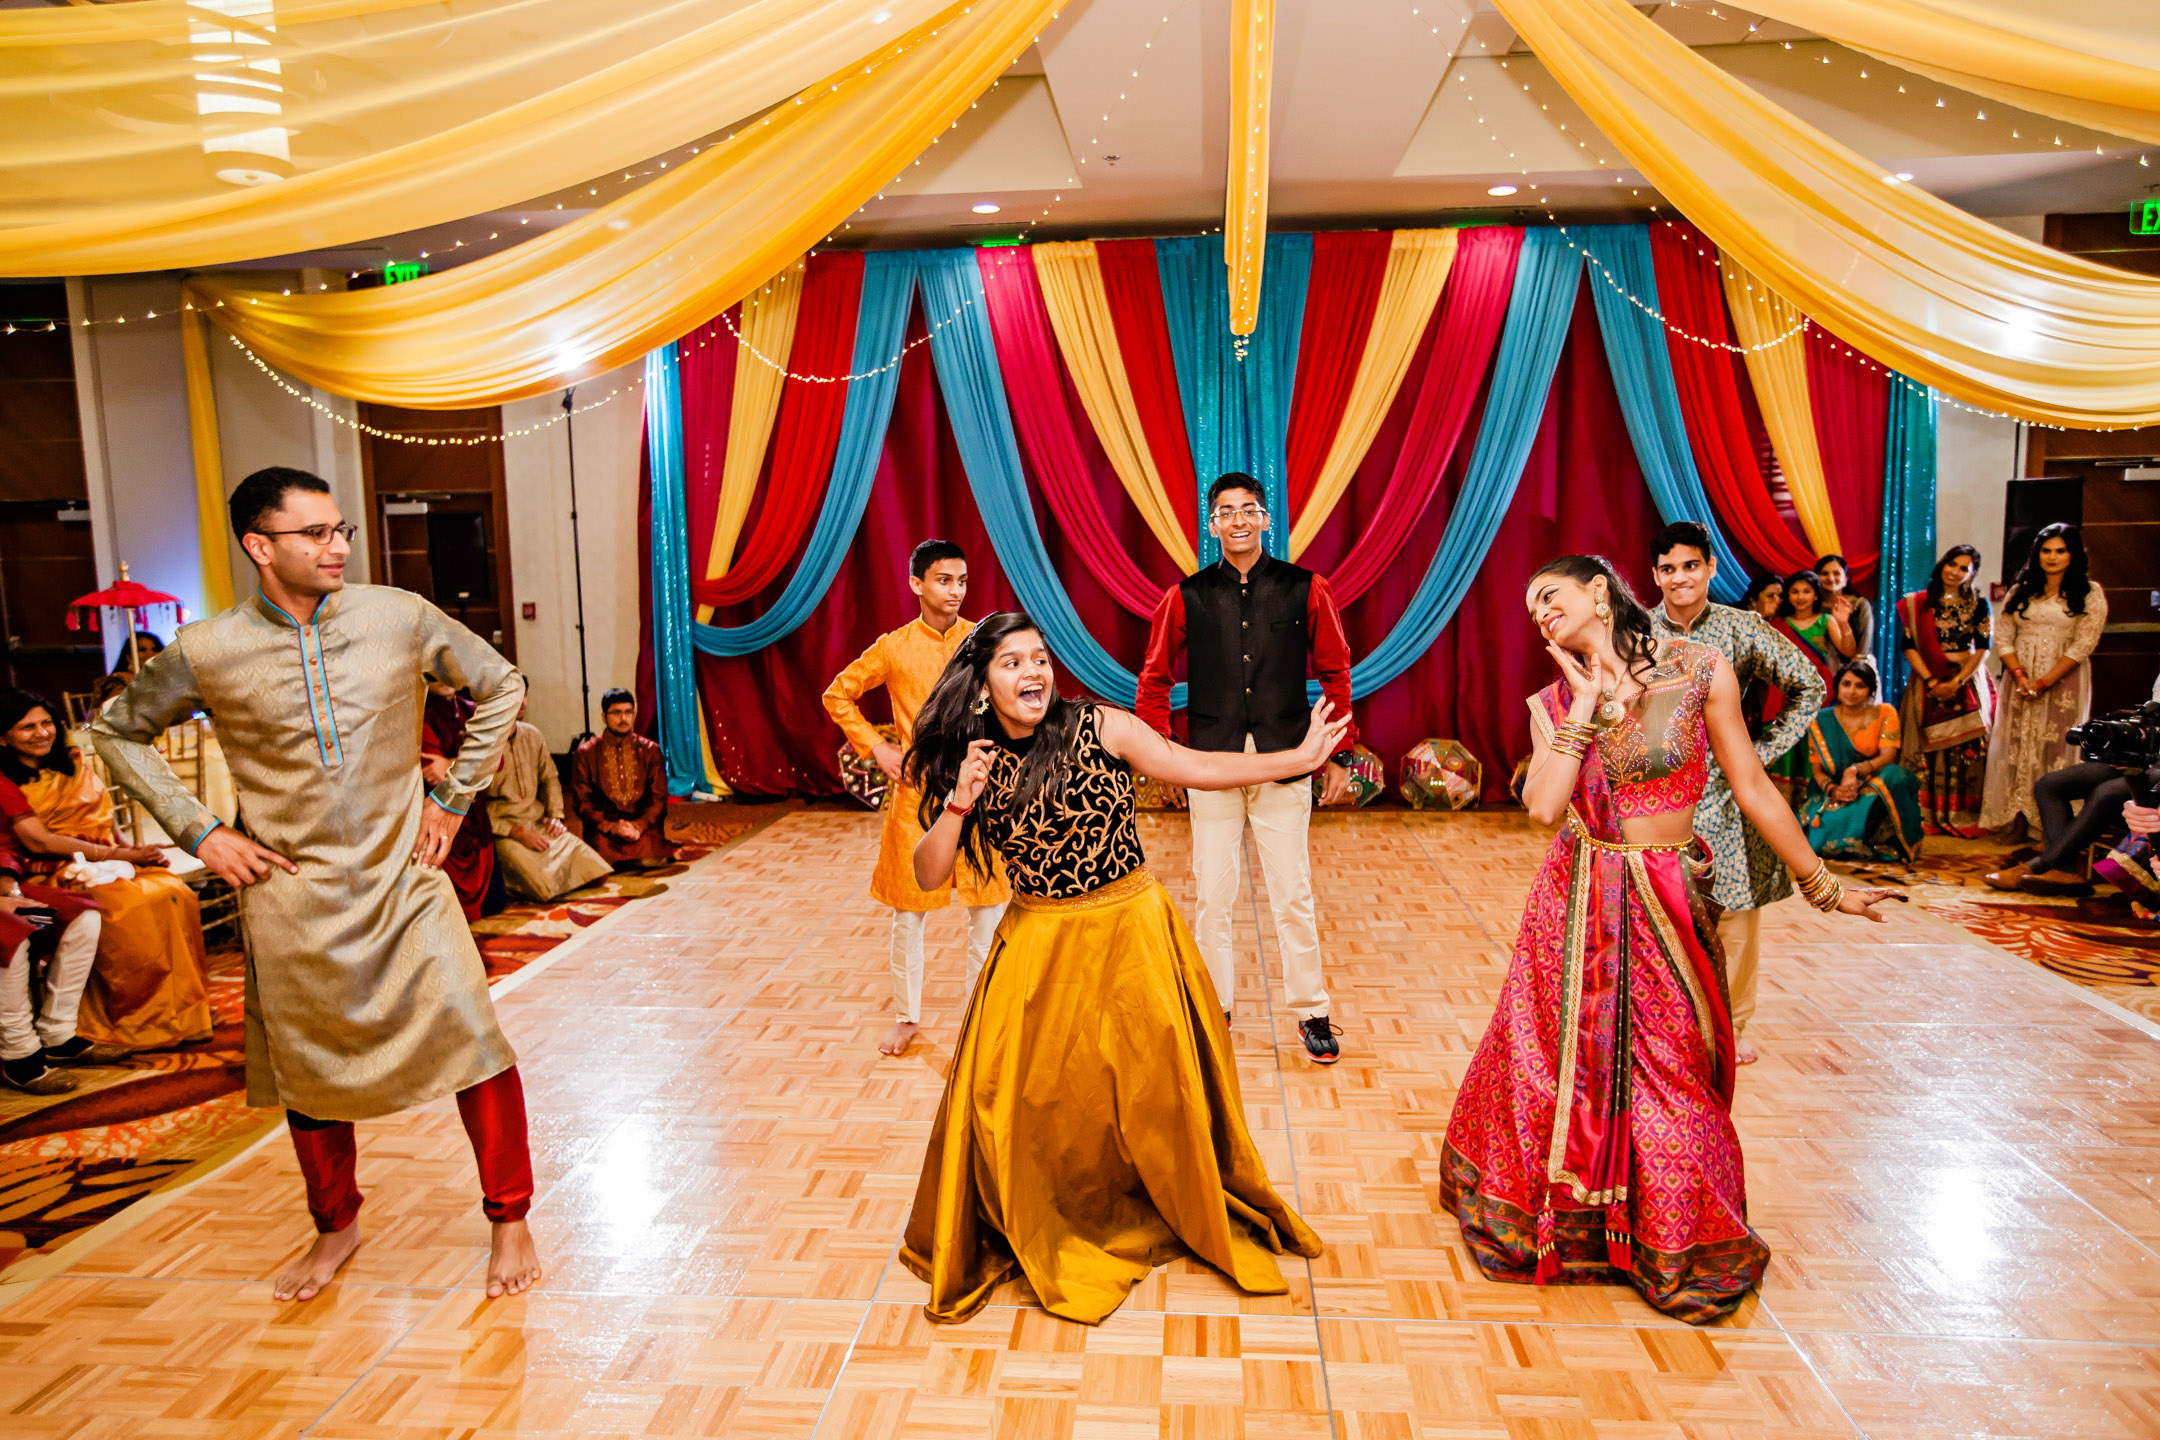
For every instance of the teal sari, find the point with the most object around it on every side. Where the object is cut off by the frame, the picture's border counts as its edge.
(1884, 822)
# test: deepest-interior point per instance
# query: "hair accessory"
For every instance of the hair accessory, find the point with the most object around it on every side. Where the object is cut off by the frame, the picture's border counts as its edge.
(982, 701)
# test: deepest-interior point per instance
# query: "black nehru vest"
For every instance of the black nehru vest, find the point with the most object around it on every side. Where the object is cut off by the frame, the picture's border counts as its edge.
(1245, 656)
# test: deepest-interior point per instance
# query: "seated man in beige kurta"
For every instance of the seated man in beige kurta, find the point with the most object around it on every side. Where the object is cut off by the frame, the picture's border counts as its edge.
(365, 992)
(541, 859)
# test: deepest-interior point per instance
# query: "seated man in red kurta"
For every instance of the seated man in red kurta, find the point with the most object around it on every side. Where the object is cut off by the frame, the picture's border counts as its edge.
(618, 787)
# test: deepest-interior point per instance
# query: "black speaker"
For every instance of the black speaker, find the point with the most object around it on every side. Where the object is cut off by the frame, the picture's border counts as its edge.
(2031, 505)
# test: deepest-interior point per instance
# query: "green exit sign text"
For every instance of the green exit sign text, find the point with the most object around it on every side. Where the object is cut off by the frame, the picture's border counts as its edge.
(2145, 220)
(397, 272)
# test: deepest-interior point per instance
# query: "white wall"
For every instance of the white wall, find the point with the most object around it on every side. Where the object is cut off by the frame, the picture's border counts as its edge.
(1976, 458)
(543, 558)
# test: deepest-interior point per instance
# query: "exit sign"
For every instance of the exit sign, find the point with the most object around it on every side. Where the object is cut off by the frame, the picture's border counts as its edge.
(397, 272)
(2145, 220)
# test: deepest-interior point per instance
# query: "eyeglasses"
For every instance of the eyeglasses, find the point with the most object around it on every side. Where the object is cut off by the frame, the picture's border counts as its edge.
(317, 534)
(1225, 514)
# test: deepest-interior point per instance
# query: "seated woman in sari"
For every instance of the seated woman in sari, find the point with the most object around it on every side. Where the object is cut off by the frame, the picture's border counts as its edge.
(1862, 804)
(148, 988)
(1592, 1141)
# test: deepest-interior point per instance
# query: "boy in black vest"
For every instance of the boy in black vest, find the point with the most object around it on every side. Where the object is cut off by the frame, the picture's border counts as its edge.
(1254, 629)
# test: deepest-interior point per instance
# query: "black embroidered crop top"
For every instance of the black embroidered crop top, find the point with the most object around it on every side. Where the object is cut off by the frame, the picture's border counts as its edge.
(1079, 840)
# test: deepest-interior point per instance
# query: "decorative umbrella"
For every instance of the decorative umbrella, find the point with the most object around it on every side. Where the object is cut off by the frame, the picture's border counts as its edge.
(131, 599)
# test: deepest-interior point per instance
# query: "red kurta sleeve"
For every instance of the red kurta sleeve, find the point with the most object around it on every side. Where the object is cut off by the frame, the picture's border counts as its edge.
(585, 786)
(1166, 640)
(1330, 652)
(654, 809)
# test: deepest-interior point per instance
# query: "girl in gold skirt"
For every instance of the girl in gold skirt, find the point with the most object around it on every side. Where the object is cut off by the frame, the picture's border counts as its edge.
(1091, 1127)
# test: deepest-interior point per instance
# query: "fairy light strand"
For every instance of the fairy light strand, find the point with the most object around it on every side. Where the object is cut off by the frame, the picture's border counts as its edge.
(379, 433)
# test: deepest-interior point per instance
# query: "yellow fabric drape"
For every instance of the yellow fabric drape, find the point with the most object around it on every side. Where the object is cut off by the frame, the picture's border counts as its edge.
(2096, 69)
(1947, 299)
(161, 134)
(1252, 69)
(1072, 291)
(644, 269)
(1417, 269)
(1780, 377)
(210, 517)
(767, 328)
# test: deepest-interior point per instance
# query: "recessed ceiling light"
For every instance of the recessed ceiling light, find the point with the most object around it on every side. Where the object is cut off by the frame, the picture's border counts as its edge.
(986, 207)
(1500, 190)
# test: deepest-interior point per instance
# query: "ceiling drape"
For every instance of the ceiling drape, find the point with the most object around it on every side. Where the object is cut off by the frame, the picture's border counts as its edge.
(163, 134)
(2093, 63)
(1918, 284)
(602, 290)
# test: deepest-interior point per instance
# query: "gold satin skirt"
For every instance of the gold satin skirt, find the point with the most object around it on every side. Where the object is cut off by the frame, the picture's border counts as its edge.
(1091, 1127)
(149, 987)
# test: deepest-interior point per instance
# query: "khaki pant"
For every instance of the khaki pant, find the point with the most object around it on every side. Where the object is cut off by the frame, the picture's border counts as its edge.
(1740, 932)
(907, 955)
(1279, 815)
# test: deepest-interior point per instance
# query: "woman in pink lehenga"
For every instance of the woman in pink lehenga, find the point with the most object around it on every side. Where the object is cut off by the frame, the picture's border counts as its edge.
(1616, 994)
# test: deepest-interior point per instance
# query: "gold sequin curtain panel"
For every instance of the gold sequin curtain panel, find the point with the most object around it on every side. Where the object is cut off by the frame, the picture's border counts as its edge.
(1927, 289)
(162, 134)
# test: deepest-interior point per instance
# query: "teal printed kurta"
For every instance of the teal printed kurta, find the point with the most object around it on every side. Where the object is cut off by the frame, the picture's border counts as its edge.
(365, 992)
(1749, 874)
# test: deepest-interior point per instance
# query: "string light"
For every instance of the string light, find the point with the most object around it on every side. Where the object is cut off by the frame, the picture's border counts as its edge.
(400, 436)
(1654, 313)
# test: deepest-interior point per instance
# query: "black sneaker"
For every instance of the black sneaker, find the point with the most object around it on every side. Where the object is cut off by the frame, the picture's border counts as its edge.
(1319, 1037)
(1226, 1017)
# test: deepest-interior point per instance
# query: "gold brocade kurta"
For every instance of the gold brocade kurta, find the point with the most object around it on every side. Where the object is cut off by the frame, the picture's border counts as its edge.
(525, 794)
(365, 992)
(907, 662)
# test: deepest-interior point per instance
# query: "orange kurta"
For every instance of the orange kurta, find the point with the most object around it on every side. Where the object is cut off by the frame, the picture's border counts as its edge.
(907, 662)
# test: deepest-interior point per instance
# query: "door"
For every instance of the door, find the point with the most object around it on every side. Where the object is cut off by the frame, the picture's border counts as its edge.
(440, 514)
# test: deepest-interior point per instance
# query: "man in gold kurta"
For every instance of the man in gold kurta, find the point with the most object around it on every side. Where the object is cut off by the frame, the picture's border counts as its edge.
(541, 859)
(907, 662)
(365, 992)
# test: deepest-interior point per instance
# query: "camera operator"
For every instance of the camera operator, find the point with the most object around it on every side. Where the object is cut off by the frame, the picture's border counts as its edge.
(2108, 798)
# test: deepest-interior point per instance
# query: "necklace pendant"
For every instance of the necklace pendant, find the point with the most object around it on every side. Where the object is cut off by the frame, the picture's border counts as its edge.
(1611, 711)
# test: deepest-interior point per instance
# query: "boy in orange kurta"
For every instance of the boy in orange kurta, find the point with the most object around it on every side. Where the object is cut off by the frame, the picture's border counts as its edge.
(907, 662)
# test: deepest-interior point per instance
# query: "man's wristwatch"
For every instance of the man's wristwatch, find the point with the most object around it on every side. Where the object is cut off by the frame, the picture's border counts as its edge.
(1343, 757)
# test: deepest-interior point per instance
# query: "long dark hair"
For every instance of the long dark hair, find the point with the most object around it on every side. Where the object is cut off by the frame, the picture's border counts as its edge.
(1971, 589)
(949, 722)
(1756, 586)
(2032, 580)
(1802, 577)
(14, 705)
(1632, 633)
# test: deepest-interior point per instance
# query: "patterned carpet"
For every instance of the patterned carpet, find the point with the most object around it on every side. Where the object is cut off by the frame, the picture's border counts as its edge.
(2096, 941)
(72, 1161)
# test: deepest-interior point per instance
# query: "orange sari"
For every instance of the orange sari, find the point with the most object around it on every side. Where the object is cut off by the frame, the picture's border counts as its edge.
(148, 988)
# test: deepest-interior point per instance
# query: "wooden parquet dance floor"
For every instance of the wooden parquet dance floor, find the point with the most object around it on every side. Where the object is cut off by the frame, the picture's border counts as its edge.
(1955, 1156)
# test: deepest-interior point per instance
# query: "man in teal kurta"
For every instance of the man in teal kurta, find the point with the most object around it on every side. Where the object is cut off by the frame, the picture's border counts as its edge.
(365, 992)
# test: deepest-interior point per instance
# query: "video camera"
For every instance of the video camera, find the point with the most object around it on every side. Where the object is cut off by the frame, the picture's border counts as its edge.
(2127, 739)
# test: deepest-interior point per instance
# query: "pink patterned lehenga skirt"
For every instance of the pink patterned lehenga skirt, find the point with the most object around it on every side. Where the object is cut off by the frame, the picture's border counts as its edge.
(1616, 1001)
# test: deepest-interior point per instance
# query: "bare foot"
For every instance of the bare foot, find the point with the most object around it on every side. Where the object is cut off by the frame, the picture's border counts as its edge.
(898, 1038)
(307, 1275)
(513, 1262)
(1744, 1053)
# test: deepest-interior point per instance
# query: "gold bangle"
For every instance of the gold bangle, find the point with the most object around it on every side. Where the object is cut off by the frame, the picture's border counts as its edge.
(1573, 749)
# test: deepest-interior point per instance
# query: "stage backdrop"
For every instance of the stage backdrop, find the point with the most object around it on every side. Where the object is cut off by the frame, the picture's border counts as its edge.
(1432, 412)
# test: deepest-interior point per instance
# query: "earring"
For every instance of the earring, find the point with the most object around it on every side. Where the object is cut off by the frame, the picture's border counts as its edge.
(982, 701)
(1604, 611)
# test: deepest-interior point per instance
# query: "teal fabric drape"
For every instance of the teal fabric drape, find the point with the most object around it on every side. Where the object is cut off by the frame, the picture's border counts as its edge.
(1237, 410)
(1908, 526)
(676, 702)
(887, 291)
(974, 389)
(1546, 275)
(1649, 397)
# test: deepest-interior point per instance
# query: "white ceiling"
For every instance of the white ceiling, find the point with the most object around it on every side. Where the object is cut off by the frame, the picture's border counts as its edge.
(1114, 123)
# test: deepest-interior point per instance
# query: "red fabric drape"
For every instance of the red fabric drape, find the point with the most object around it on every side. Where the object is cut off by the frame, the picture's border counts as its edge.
(1048, 430)
(1445, 377)
(803, 437)
(1693, 298)
(705, 360)
(1133, 286)
(1347, 268)
(1850, 395)
(770, 735)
